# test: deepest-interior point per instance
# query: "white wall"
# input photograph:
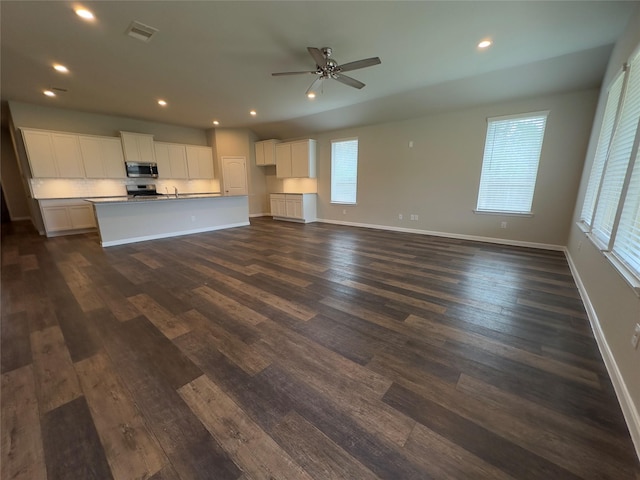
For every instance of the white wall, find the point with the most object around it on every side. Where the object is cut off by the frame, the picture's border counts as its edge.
(615, 306)
(51, 118)
(12, 185)
(240, 142)
(438, 178)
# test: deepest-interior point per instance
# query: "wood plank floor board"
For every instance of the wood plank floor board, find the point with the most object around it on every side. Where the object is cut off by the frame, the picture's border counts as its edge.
(477, 440)
(15, 343)
(264, 405)
(56, 380)
(81, 338)
(71, 444)
(283, 350)
(316, 453)
(22, 451)
(255, 452)
(379, 455)
(149, 347)
(191, 450)
(130, 449)
(545, 388)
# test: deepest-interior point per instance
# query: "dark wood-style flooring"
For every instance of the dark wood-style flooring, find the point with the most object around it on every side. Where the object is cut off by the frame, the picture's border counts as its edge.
(286, 351)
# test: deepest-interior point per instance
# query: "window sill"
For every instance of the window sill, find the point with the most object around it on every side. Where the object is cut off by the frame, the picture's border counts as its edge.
(343, 203)
(584, 227)
(510, 214)
(629, 276)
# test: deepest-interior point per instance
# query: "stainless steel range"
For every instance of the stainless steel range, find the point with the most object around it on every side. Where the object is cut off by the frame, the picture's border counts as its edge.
(142, 191)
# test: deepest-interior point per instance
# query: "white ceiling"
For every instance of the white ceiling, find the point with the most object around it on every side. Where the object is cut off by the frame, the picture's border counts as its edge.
(213, 60)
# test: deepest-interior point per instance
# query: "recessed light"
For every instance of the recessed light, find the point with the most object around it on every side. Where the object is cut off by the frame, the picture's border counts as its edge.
(60, 68)
(253, 112)
(162, 103)
(484, 44)
(84, 13)
(216, 122)
(49, 93)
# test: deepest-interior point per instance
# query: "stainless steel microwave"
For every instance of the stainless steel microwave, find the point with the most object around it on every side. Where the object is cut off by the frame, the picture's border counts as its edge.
(142, 169)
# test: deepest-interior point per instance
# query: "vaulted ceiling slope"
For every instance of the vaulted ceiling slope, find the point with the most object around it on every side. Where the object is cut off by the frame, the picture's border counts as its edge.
(213, 60)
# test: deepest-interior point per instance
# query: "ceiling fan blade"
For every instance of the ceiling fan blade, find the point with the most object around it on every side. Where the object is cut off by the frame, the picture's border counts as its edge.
(352, 82)
(316, 87)
(318, 56)
(279, 74)
(367, 62)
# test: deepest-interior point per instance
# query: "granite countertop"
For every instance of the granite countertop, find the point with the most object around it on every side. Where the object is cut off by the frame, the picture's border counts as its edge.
(154, 198)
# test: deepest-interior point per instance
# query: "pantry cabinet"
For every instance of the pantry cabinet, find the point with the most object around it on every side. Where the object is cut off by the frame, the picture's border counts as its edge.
(66, 216)
(53, 154)
(266, 152)
(102, 157)
(199, 162)
(295, 207)
(296, 159)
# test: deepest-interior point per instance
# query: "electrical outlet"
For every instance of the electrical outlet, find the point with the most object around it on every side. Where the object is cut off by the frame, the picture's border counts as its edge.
(417, 218)
(635, 338)
(414, 216)
(503, 224)
(399, 216)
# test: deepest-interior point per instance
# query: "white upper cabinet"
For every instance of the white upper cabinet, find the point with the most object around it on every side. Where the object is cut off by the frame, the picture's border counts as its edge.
(199, 162)
(39, 146)
(296, 159)
(171, 159)
(138, 147)
(53, 154)
(102, 157)
(283, 160)
(266, 152)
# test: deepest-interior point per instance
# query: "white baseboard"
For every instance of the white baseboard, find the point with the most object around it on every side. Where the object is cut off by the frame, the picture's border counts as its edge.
(500, 241)
(171, 234)
(629, 410)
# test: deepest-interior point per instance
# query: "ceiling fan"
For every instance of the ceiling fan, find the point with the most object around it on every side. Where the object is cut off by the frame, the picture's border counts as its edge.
(327, 68)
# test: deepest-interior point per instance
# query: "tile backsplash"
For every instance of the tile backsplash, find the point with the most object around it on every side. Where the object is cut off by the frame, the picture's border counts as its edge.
(42, 188)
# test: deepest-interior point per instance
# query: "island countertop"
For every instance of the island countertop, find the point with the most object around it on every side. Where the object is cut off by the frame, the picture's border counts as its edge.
(125, 220)
(151, 198)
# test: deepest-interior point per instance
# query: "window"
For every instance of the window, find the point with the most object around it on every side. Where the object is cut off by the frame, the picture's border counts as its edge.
(612, 212)
(510, 163)
(602, 150)
(344, 171)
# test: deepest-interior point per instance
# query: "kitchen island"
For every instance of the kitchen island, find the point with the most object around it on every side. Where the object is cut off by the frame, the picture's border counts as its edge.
(124, 220)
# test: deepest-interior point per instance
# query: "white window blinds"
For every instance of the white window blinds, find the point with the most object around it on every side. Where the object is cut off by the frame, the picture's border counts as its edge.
(510, 163)
(627, 240)
(344, 171)
(617, 164)
(602, 149)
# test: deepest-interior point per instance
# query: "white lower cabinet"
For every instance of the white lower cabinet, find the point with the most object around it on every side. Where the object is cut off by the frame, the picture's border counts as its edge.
(295, 207)
(62, 217)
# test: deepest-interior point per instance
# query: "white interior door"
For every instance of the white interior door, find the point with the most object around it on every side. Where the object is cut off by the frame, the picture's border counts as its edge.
(234, 176)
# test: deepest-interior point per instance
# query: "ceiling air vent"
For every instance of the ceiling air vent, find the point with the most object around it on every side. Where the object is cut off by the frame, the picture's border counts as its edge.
(141, 31)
